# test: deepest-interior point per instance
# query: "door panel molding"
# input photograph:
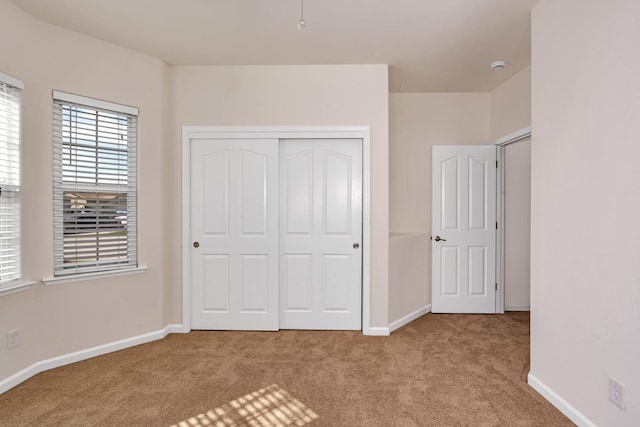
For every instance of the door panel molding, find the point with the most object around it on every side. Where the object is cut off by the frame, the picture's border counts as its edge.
(193, 133)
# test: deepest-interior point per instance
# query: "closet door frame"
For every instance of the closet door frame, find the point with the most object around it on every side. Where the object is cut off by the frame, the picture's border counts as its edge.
(191, 133)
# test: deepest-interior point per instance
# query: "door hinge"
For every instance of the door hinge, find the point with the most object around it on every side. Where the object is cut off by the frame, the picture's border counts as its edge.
(496, 225)
(496, 164)
(496, 286)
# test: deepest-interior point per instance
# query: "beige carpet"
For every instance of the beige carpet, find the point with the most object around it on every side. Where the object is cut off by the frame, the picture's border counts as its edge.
(440, 370)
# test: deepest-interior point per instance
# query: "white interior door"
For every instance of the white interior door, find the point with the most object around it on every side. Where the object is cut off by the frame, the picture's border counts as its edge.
(463, 247)
(321, 234)
(234, 233)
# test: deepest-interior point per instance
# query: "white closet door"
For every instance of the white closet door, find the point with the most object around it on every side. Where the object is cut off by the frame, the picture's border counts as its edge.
(320, 234)
(234, 233)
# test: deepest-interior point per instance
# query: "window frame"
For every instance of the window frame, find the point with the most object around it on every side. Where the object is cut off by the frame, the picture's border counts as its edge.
(16, 283)
(78, 270)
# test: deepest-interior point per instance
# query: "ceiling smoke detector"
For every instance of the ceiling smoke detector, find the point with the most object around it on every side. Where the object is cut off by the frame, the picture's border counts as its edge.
(498, 65)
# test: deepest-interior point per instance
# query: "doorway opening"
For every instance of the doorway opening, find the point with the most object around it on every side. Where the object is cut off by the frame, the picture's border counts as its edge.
(514, 213)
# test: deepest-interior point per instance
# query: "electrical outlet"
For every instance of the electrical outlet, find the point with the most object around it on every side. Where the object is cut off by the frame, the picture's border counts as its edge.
(616, 393)
(13, 338)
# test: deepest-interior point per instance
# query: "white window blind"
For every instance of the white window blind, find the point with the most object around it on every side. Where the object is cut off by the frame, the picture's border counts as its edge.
(9, 181)
(95, 189)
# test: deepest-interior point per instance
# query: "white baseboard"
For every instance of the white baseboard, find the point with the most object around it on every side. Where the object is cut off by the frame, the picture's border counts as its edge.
(409, 318)
(65, 359)
(562, 405)
(174, 329)
(380, 331)
(517, 308)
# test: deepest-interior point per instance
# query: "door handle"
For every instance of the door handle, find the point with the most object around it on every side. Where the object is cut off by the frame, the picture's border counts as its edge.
(356, 246)
(196, 244)
(437, 239)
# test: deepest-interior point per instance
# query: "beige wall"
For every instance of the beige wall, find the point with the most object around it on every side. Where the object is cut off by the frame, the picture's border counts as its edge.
(585, 240)
(409, 280)
(285, 95)
(511, 105)
(64, 318)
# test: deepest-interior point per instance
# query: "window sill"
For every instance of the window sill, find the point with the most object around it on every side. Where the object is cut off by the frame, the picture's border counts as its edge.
(90, 276)
(17, 286)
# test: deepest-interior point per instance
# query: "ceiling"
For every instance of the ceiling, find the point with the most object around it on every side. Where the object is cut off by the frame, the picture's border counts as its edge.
(430, 45)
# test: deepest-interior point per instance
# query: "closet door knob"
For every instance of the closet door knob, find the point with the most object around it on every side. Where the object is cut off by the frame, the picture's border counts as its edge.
(196, 244)
(356, 246)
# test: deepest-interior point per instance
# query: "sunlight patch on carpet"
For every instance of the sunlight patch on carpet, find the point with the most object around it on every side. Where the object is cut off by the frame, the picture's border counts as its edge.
(268, 407)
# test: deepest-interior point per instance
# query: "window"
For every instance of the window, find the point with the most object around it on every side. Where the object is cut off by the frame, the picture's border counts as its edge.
(9, 179)
(94, 186)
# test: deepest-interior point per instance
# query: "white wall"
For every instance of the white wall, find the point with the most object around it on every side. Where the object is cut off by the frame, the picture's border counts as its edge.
(60, 319)
(511, 112)
(585, 236)
(285, 95)
(417, 122)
